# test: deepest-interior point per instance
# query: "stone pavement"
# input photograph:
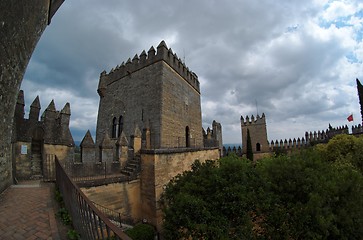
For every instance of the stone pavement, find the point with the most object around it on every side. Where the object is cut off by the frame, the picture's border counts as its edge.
(27, 212)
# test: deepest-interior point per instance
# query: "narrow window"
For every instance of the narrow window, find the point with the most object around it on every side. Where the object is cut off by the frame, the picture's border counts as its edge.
(114, 128)
(187, 137)
(258, 147)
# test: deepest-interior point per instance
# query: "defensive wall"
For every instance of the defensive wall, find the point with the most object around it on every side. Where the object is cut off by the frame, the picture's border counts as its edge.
(122, 197)
(158, 167)
(21, 25)
(138, 199)
(287, 145)
(34, 139)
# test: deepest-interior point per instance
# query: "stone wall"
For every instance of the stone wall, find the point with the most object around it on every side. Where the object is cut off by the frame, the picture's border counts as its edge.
(21, 25)
(23, 163)
(158, 168)
(136, 97)
(120, 197)
(180, 109)
(63, 153)
(156, 92)
(25, 167)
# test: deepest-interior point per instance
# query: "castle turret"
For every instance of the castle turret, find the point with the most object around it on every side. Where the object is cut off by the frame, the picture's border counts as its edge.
(35, 110)
(106, 149)
(64, 119)
(50, 113)
(258, 134)
(122, 147)
(87, 148)
(65, 115)
(217, 134)
(18, 116)
(19, 109)
(102, 84)
(136, 141)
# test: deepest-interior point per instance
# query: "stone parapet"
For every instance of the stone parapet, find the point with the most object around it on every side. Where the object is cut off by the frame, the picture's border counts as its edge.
(144, 60)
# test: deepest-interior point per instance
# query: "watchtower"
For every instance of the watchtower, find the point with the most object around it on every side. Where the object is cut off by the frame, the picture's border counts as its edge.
(258, 134)
(156, 92)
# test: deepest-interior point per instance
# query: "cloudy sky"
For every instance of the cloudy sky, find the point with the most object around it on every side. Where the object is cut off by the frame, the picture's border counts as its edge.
(296, 61)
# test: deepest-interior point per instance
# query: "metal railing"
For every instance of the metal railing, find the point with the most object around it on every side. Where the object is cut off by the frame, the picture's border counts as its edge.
(114, 216)
(87, 220)
(96, 173)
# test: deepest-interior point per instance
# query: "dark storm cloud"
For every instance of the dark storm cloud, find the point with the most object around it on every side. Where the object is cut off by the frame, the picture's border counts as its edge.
(274, 53)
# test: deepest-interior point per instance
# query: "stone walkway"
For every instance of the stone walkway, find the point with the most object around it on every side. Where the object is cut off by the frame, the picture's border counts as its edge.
(27, 212)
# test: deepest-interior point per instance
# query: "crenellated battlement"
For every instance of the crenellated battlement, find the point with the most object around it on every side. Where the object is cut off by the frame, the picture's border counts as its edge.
(259, 120)
(310, 138)
(54, 123)
(324, 136)
(357, 129)
(145, 59)
(288, 144)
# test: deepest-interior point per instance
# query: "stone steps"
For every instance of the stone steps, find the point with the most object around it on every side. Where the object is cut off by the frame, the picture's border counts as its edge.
(132, 167)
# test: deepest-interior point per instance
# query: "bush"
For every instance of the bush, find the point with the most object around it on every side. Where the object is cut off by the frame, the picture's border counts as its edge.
(302, 196)
(141, 232)
(73, 235)
(343, 150)
(64, 216)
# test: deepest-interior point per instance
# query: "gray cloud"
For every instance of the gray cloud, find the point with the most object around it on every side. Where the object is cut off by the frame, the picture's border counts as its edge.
(288, 56)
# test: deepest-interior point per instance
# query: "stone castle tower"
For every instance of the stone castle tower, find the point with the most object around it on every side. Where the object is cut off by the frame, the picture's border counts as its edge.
(33, 139)
(156, 92)
(149, 128)
(258, 134)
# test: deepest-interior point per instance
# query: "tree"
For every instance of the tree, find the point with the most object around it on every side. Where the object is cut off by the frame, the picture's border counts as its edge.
(249, 146)
(213, 201)
(343, 149)
(301, 196)
(308, 198)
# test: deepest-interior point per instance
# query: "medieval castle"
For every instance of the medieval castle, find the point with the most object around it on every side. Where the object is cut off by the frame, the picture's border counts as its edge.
(149, 129)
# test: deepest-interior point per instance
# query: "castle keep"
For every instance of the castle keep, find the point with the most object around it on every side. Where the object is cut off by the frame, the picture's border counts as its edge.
(150, 125)
(36, 140)
(154, 91)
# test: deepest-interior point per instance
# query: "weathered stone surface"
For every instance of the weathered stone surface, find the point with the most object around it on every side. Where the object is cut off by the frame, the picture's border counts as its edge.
(155, 91)
(123, 198)
(21, 24)
(158, 167)
(258, 133)
(34, 139)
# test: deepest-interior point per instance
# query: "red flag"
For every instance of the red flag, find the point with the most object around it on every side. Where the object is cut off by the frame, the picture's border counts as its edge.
(350, 118)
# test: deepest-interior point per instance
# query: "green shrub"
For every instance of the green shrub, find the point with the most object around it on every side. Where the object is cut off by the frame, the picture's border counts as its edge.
(64, 216)
(58, 197)
(73, 235)
(141, 232)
